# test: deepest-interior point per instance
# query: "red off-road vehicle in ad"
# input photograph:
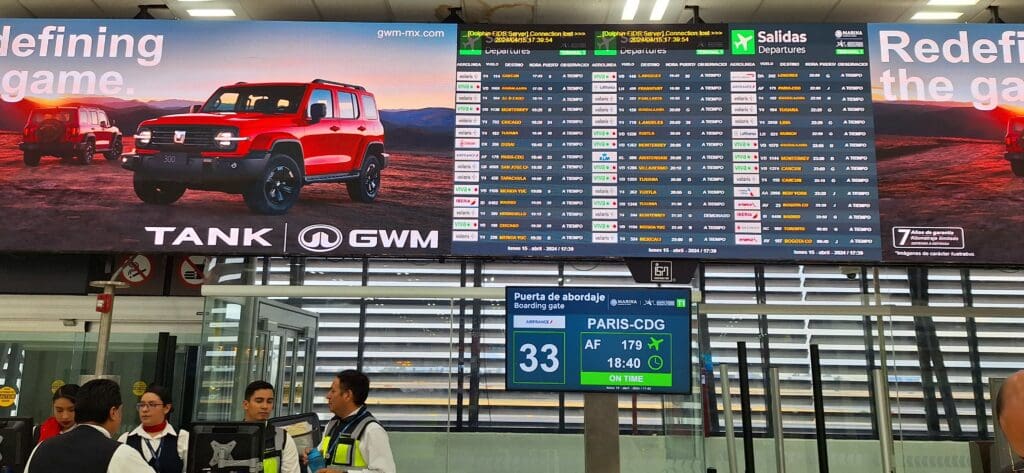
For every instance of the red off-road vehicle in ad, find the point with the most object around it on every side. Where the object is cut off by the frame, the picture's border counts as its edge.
(69, 133)
(1015, 145)
(264, 141)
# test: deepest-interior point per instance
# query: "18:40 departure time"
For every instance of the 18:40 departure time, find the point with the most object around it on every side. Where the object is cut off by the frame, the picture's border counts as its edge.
(620, 363)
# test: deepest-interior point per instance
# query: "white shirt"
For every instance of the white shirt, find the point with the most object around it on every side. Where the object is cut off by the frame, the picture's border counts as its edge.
(125, 459)
(376, 449)
(155, 439)
(290, 456)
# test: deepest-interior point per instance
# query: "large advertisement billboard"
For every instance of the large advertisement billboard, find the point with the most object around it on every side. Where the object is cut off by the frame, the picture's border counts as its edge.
(226, 137)
(949, 101)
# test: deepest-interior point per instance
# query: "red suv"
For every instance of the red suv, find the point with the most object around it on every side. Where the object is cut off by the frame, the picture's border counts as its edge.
(1015, 145)
(264, 141)
(70, 132)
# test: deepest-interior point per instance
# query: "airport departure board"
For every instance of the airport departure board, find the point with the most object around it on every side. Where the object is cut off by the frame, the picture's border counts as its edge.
(687, 141)
(598, 339)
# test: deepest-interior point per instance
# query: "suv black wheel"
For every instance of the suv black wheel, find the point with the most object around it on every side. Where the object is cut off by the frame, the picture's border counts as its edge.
(366, 188)
(277, 189)
(32, 159)
(154, 192)
(1018, 168)
(88, 150)
(115, 150)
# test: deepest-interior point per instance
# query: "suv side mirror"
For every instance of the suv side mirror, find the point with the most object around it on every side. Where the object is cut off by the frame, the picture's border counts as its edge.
(104, 124)
(194, 108)
(317, 112)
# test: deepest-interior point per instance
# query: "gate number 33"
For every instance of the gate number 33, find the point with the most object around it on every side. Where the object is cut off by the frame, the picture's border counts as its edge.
(550, 352)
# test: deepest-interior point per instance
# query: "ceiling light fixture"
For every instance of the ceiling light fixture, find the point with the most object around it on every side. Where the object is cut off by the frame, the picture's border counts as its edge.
(144, 13)
(936, 15)
(658, 12)
(210, 12)
(994, 10)
(696, 20)
(952, 3)
(453, 16)
(629, 11)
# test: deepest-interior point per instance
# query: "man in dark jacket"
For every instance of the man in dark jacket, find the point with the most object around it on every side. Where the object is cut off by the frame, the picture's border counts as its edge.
(88, 447)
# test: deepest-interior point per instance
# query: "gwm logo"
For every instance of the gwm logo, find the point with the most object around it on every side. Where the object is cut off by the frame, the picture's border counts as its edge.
(320, 238)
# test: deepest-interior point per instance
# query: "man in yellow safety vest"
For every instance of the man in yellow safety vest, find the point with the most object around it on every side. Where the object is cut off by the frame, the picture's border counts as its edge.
(279, 453)
(353, 440)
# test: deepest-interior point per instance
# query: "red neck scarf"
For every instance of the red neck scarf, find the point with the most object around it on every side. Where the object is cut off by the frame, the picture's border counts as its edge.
(156, 428)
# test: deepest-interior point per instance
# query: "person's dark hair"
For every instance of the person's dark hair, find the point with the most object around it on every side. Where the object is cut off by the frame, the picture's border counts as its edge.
(95, 399)
(357, 382)
(162, 393)
(67, 391)
(256, 386)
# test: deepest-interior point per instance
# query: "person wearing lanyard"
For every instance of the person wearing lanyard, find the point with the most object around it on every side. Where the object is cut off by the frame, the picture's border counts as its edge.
(279, 454)
(1009, 411)
(88, 448)
(164, 448)
(63, 418)
(353, 440)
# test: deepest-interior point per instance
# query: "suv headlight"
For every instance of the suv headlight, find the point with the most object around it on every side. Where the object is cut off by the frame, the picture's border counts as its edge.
(227, 139)
(144, 136)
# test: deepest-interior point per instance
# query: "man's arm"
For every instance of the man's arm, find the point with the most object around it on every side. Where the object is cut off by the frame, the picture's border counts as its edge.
(128, 460)
(290, 457)
(376, 450)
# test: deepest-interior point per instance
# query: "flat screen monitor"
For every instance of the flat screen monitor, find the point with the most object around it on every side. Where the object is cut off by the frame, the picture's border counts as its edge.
(225, 447)
(598, 339)
(15, 442)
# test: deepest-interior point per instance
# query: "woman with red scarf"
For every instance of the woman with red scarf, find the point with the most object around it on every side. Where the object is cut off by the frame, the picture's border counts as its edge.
(63, 418)
(163, 447)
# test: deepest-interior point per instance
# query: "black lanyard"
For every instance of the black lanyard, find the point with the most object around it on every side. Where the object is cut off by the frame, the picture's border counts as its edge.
(154, 454)
(338, 432)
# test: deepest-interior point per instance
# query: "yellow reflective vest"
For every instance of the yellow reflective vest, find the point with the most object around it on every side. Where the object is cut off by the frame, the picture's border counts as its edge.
(340, 445)
(272, 453)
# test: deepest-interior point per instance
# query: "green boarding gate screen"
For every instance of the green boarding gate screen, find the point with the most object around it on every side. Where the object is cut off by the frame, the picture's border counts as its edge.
(589, 339)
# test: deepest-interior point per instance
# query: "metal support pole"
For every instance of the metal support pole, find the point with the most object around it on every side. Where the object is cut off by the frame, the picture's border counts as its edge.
(884, 420)
(819, 409)
(748, 429)
(882, 359)
(730, 429)
(103, 341)
(776, 414)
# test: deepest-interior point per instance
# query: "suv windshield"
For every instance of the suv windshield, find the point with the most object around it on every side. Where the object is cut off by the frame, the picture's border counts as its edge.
(262, 99)
(1016, 125)
(39, 116)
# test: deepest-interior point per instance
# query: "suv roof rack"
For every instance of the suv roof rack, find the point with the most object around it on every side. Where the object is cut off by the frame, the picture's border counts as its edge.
(342, 84)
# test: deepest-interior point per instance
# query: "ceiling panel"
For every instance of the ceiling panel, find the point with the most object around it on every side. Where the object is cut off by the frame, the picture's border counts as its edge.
(279, 10)
(354, 10)
(784, 11)
(419, 10)
(717, 11)
(867, 11)
(551, 12)
(500, 11)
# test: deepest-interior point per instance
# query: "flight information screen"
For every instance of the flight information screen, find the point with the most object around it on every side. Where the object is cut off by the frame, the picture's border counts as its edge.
(598, 339)
(698, 141)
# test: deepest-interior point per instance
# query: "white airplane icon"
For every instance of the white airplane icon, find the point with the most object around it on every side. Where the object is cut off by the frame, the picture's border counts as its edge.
(742, 41)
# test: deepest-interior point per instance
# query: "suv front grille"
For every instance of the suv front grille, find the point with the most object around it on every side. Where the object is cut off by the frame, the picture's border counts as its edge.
(195, 136)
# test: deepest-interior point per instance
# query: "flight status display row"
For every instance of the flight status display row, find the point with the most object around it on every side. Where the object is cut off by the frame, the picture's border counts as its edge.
(700, 141)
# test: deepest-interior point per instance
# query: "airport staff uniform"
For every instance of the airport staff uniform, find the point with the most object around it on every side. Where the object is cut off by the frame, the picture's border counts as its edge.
(170, 447)
(280, 454)
(357, 443)
(87, 448)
